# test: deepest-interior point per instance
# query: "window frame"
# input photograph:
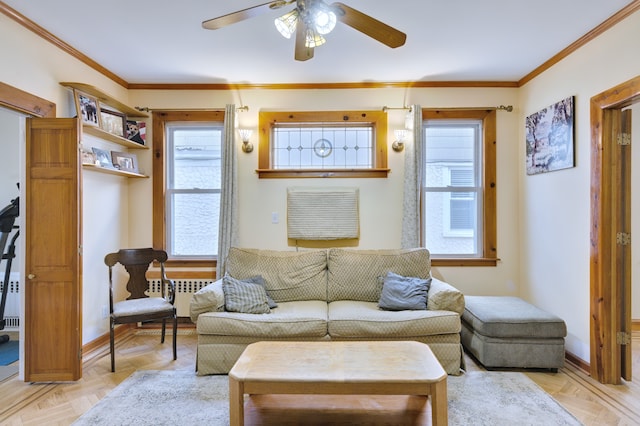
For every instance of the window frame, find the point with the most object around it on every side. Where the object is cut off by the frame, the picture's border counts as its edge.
(489, 254)
(159, 137)
(267, 119)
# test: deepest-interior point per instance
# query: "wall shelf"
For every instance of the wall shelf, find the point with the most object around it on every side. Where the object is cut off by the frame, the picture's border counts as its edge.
(102, 134)
(122, 173)
(105, 99)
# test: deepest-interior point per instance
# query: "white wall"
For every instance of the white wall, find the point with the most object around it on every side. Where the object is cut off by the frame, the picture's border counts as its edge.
(555, 207)
(31, 64)
(381, 199)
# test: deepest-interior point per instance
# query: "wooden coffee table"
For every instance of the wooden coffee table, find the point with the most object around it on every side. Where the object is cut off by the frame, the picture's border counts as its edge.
(338, 368)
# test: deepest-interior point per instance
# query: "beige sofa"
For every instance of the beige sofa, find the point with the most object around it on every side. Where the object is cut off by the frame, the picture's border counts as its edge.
(325, 295)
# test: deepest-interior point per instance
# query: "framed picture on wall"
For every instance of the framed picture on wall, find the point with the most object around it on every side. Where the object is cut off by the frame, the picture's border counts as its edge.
(124, 161)
(549, 136)
(113, 122)
(87, 108)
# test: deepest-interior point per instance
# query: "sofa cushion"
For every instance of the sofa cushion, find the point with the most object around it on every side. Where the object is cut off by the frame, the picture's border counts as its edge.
(288, 320)
(443, 296)
(288, 275)
(401, 293)
(354, 319)
(244, 296)
(353, 274)
(209, 298)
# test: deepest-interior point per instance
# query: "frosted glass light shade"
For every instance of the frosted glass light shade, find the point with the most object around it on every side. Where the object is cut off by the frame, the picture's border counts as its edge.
(324, 21)
(313, 39)
(286, 24)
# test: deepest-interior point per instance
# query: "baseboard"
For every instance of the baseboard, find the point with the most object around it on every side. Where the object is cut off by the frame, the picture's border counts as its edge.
(635, 325)
(121, 329)
(104, 339)
(578, 362)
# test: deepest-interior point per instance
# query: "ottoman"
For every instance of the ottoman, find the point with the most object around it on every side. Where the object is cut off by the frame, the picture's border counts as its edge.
(507, 332)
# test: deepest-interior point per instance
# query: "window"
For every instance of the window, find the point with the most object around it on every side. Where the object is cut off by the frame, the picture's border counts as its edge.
(187, 181)
(323, 144)
(458, 208)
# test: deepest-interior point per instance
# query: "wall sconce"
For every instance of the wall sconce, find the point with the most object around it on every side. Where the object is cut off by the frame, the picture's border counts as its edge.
(245, 135)
(398, 144)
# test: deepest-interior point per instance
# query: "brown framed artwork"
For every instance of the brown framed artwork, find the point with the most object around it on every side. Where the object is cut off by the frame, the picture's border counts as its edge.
(113, 122)
(124, 161)
(87, 108)
(549, 136)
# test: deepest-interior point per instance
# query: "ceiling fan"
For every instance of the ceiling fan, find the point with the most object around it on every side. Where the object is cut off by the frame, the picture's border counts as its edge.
(310, 21)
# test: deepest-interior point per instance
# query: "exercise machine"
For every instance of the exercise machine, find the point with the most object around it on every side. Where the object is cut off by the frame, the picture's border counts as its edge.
(8, 217)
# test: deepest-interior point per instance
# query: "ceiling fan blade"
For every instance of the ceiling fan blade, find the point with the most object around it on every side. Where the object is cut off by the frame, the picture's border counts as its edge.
(303, 52)
(241, 15)
(368, 25)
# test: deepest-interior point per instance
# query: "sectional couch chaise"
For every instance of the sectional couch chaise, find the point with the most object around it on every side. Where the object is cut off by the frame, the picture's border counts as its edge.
(325, 295)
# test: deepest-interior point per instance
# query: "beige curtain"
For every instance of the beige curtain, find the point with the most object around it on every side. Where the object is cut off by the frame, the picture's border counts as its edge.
(413, 177)
(228, 225)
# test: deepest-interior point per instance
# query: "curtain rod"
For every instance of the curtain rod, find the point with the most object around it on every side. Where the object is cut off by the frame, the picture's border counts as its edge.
(147, 109)
(508, 108)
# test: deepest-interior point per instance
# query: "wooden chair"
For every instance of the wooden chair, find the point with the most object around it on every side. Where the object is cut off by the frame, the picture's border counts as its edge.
(139, 306)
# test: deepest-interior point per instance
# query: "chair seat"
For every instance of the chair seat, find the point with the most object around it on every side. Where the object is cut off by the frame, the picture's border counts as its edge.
(134, 307)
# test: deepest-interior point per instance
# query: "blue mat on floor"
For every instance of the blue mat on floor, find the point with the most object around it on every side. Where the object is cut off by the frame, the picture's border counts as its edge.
(8, 352)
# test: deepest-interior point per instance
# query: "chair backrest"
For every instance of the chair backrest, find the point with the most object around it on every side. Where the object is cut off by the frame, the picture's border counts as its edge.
(136, 262)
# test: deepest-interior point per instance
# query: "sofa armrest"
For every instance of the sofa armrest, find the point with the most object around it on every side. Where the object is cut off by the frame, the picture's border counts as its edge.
(444, 297)
(209, 298)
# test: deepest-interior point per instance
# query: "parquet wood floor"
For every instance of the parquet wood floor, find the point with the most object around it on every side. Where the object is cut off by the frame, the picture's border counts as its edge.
(61, 403)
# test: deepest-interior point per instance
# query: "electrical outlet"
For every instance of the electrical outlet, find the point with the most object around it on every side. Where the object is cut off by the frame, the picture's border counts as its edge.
(274, 217)
(105, 311)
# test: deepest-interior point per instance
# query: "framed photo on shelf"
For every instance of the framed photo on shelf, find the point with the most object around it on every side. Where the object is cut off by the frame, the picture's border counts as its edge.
(113, 122)
(124, 161)
(88, 157)
(136, 131)
(103, 159)
(87, 108)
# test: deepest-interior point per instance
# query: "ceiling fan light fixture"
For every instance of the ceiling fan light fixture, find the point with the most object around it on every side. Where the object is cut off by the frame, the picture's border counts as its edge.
(313, 39)
(324, 20)
(286, 24)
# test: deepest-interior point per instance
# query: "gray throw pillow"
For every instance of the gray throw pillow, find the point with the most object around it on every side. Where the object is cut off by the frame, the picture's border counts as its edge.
(244, 297)
(404, 293)
(259, 280)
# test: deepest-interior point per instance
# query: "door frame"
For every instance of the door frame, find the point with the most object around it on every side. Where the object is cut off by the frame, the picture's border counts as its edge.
(606, 354)
(24, 102)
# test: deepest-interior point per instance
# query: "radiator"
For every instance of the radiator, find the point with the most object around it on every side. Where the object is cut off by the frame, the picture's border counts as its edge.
(12, 308)
(184, 289)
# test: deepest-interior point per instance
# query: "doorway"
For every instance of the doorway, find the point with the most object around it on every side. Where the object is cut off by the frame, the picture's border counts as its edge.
(12, 139)
(610, 259)
(15, 106)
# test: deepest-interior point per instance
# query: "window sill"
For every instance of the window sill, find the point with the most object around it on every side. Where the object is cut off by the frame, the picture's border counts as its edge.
(322, 173)
(174, 263)
(476, 261)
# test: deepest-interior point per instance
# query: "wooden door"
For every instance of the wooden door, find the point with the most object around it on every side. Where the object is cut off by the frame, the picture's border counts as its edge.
(53, 306)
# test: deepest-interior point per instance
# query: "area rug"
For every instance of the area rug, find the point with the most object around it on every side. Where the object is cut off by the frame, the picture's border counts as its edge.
(181, 397)
(8, 352)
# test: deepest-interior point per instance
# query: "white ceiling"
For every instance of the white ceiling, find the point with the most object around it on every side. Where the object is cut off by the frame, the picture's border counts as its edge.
(162, 41)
